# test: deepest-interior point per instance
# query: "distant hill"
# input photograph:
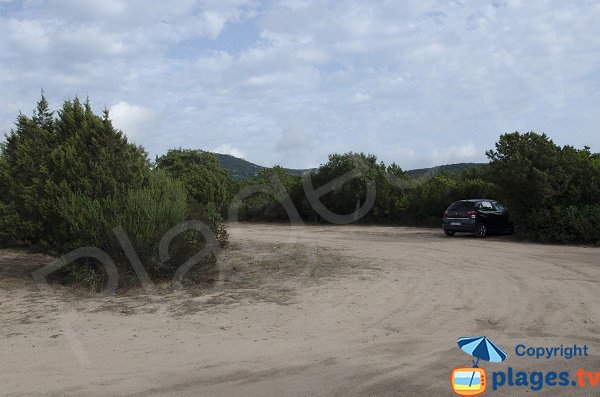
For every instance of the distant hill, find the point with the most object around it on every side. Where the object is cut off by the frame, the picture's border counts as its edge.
(243, 169)
(457, 168)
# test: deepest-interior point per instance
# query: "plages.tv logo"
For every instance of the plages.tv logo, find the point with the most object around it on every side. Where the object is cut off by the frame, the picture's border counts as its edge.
(471, 381)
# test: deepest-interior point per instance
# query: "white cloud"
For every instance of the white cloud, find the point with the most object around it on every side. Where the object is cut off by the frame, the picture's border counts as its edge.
(88, 42)
(455, 154)
(360, 97)
(214, 23)
(401, 154)
(294, 139)
(29, 35)
(217, 62)
(226, 148)
(91, 8)
(382, 77)
(134, 120)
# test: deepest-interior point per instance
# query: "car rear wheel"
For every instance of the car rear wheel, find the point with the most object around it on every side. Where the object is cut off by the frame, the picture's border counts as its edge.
(449, 233)
(480, 230)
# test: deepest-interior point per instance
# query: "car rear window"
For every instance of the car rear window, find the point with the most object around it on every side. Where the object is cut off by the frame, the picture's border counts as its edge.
(461, 206)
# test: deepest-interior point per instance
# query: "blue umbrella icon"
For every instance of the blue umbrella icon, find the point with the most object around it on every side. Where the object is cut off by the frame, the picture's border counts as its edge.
(482, 348)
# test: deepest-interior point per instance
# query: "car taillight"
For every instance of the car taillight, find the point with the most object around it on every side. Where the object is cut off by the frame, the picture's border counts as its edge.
(472, 213)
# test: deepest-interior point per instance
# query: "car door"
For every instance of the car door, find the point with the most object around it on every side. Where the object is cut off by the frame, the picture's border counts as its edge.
(487, 213)
(502, 214)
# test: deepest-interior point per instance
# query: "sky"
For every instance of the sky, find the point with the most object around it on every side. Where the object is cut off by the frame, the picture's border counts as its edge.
(419, 83)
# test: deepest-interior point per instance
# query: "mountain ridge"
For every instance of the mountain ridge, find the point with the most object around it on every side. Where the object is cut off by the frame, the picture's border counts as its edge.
(240, 169)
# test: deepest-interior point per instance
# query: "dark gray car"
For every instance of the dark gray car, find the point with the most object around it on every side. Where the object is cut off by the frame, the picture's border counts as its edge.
(478, 216)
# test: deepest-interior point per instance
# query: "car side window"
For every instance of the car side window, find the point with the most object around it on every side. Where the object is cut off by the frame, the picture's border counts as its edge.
(485, 206)
(499, 207)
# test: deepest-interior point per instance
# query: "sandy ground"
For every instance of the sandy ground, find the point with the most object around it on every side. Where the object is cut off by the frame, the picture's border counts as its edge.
(318, 311)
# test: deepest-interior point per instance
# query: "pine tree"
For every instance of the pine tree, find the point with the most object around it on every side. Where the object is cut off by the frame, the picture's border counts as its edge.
(25, 156)
(46, 159)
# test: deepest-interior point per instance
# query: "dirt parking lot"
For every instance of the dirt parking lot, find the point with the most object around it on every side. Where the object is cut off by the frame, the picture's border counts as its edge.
(315, 311)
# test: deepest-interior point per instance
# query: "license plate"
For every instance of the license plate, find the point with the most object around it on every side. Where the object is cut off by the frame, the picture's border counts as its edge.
(454, 223)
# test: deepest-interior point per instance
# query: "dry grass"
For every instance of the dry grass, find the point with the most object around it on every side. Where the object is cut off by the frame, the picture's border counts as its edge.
(247, 272)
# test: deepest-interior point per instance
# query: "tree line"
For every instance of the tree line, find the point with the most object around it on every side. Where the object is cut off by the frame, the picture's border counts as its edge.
(69, 178)
(552, 192)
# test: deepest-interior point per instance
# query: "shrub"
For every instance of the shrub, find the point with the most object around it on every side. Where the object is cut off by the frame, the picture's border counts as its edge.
(266, 205)
(564, 224)
(46, 159)
(145, 214)
(67, 182)
(210, 215)
(552, 191)
(199, 171)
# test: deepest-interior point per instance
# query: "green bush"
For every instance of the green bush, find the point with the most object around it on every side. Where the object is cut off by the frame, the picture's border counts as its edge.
(344, 199)
(145, 215)
(552, 191)
(67, 182)
(211, 216)
(266, 205)
(564, 224)
(46, 159)
(199, 171)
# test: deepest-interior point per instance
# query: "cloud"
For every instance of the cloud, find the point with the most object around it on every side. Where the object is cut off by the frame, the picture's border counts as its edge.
(214, 23)
(455, 154)
(360, 97)
(214, 63)
(413, 82)
(28, 35)
(294, 139)
(226, 148)
(83, 43)
(91, 9)
(134, 120)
